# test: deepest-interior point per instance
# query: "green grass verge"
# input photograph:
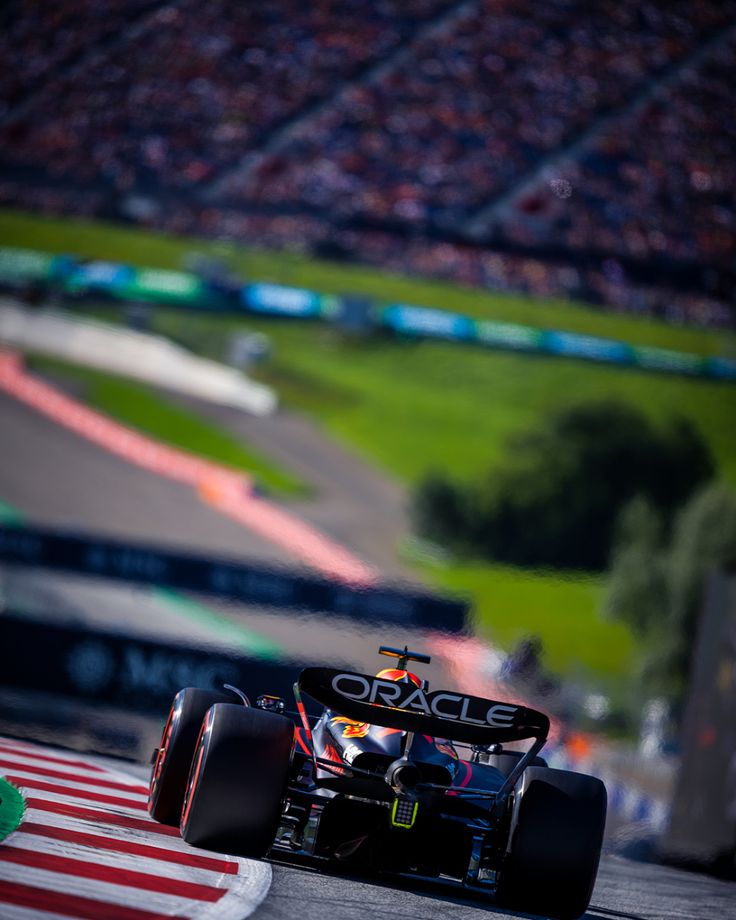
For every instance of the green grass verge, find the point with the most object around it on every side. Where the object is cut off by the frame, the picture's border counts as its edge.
(140, 407)
(414, 407)
(12, 806)
(510, 603)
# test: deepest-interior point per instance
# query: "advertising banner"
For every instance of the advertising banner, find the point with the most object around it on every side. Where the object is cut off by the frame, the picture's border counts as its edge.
(279, 300)
(425, 321)
(663, 359)
(507, 335)
(165, 286)
(111, 278)
(250, 584)
(131, 672)
(586, 346)
(722, 368)
(24, 265)
(358, 314)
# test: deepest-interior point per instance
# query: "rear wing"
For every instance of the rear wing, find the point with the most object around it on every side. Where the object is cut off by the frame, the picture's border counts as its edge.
(455, 716)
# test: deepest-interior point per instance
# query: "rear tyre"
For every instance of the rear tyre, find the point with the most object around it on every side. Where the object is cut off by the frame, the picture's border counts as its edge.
(556, 840)
(174, 756)
(238, 780)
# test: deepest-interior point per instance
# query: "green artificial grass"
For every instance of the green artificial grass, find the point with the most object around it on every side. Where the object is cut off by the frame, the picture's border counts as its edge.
(12, 806)
(140, 407)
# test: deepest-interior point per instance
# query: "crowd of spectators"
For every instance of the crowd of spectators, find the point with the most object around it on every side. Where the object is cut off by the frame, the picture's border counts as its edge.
(661, 183)
(474, 107)
(200, 86)
(36, 38)
(605, 284)
(392, 124)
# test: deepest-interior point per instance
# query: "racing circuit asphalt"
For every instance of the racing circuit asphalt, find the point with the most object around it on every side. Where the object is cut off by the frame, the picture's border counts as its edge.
(347, 488)
(55, 477)
(625, 890)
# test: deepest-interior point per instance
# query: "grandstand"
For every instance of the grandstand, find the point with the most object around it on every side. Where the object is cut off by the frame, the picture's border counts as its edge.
(568, 149)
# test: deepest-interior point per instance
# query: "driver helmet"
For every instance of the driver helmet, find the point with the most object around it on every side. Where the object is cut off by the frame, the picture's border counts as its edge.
(398, 674)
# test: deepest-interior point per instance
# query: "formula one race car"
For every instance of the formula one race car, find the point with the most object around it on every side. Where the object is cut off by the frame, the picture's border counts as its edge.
(378, 783)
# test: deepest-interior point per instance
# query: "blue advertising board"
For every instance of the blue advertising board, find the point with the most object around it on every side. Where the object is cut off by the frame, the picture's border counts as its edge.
(109, 277)
(586, 346)
(358, 314)
(722, 368)
(277, 299)
(425, 321)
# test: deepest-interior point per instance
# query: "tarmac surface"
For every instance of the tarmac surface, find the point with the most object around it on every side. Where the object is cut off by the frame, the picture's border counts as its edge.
(354, 503)
(85, 839)
(57, 478)
(625, 890)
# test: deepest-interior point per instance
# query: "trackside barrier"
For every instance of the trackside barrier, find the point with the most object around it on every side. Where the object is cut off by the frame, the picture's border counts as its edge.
(702, 831)
(91, 555)
(624, 800)
(97, 278)
(139, 675)
(426, 322)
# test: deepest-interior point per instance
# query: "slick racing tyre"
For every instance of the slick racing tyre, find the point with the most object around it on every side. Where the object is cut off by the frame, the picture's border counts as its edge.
(174, 756)
(556, 838)
(238, 780)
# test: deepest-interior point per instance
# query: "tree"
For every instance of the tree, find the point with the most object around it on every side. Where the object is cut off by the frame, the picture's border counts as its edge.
(657, 587)
(637, 581)
(704, 538)
(555, 499)
(439, 510)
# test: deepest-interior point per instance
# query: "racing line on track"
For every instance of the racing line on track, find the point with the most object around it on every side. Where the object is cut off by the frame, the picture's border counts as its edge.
(86, 848)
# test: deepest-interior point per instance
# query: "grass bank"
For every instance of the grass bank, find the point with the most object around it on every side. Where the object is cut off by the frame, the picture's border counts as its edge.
(141, 407)
(510, 603)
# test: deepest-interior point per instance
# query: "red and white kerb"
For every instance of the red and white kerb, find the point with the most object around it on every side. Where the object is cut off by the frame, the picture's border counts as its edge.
(86, 848)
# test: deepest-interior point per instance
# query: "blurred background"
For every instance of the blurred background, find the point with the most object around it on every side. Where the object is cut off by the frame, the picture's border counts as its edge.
(337, 324)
